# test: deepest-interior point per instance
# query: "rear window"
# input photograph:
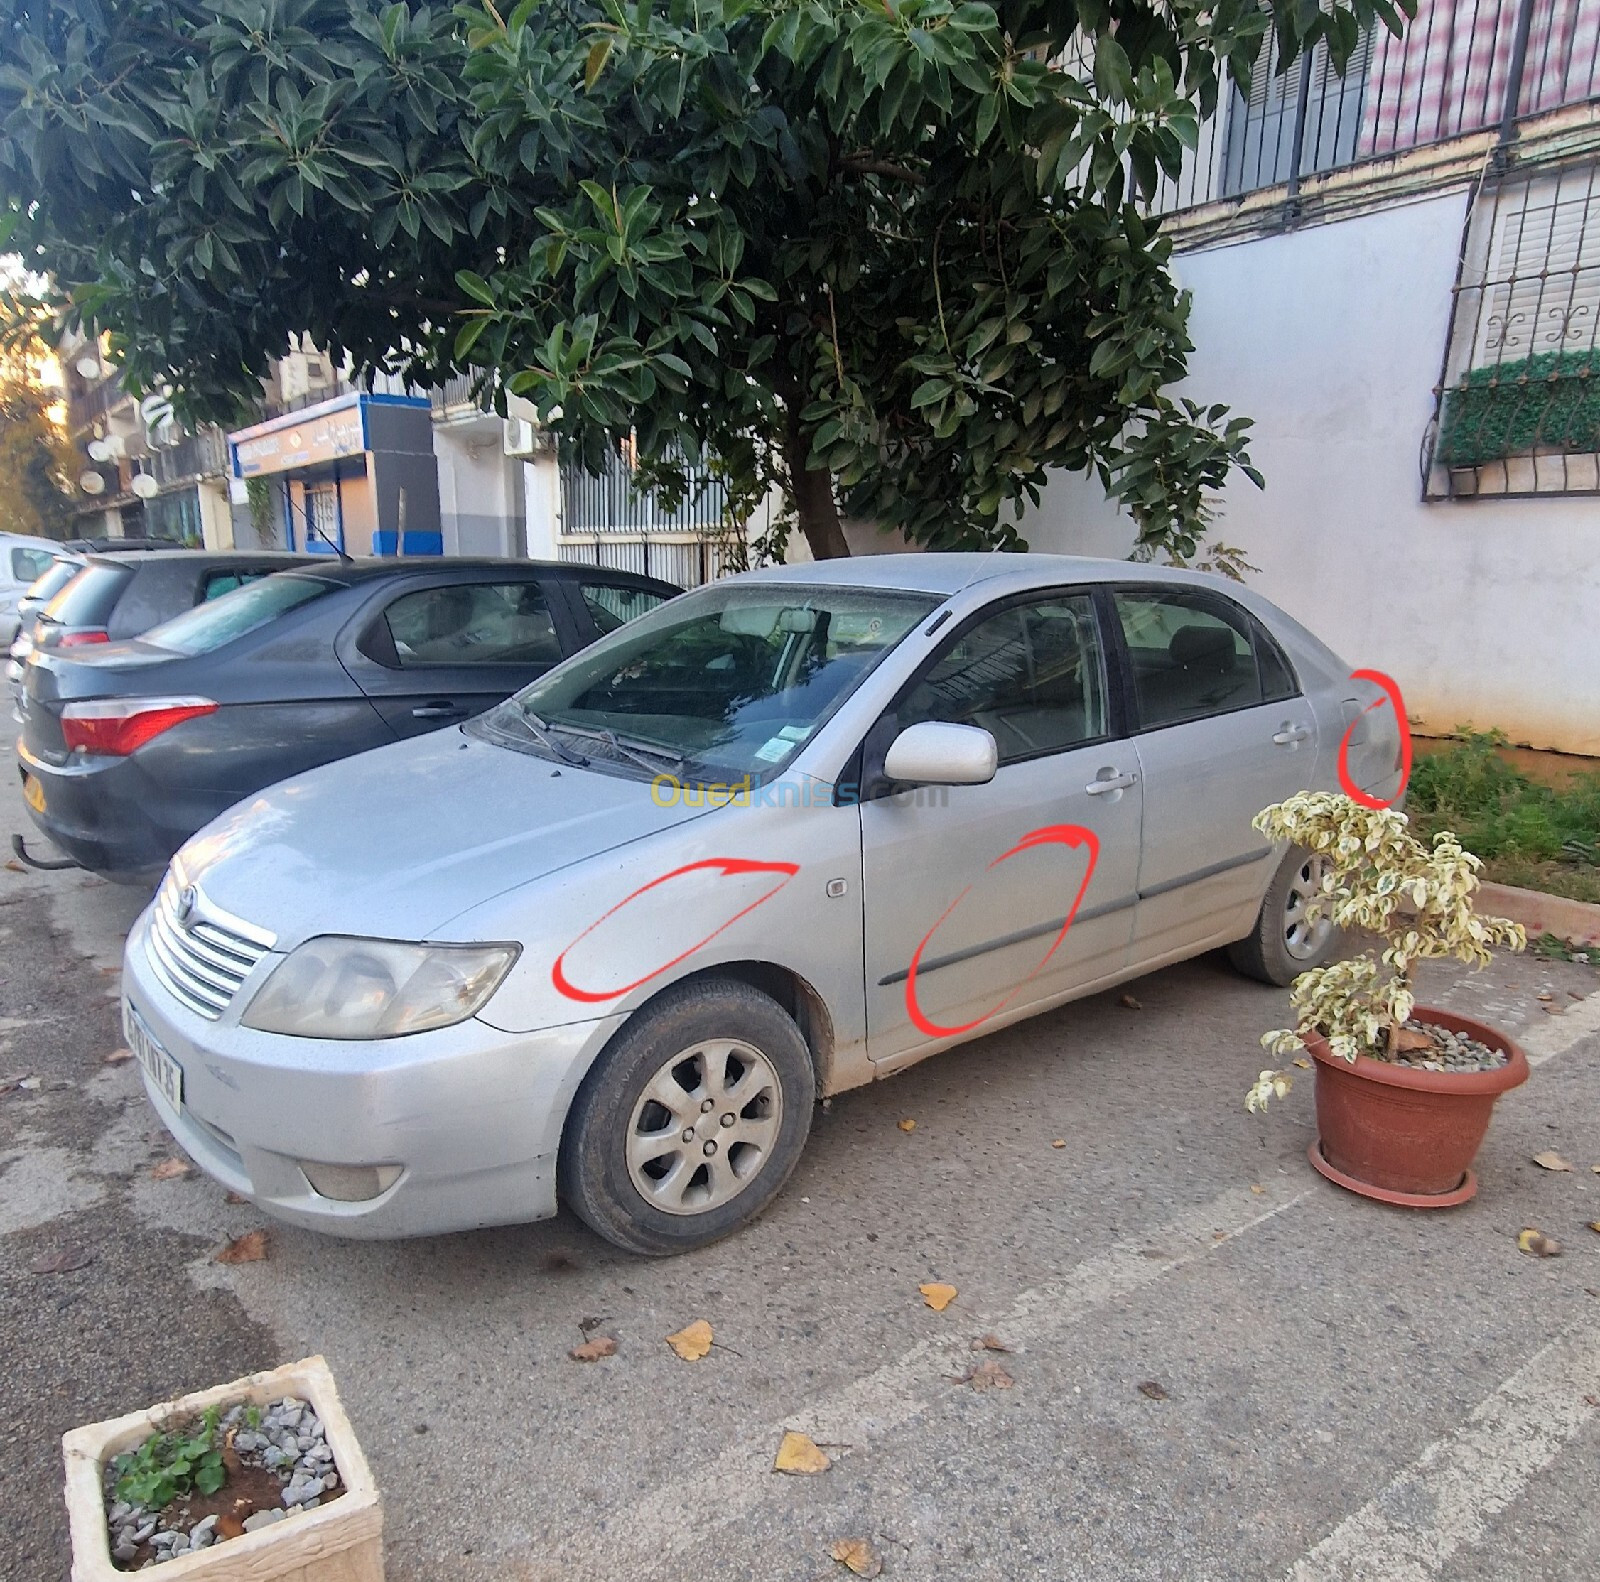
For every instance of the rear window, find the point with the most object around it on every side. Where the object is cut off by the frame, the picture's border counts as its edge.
(61, 572)
(29, 564)
(90, 597)
(209, 626)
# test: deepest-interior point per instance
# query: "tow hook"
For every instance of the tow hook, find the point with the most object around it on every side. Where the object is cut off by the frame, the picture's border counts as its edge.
(41, 863)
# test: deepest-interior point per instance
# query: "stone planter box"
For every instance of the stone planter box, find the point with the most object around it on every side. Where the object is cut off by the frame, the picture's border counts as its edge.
(341, 1541)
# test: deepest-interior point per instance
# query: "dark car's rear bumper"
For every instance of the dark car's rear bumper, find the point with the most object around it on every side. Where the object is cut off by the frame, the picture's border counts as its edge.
(105, 814)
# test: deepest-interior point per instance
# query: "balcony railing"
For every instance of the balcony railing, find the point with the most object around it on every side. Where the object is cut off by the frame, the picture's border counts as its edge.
(1461, 67)
(202, 455)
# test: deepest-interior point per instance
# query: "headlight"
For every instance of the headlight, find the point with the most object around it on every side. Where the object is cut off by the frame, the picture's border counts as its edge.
(338, 987)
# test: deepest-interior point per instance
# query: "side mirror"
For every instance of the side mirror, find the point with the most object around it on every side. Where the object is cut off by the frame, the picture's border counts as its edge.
(934, 753)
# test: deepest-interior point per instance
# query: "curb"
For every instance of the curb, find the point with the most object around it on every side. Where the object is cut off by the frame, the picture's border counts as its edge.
(1575, 921)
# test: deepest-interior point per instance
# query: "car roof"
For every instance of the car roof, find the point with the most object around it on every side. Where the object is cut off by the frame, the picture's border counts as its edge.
(946, 573)
(28, 541)
(203, 557)
(370, 568)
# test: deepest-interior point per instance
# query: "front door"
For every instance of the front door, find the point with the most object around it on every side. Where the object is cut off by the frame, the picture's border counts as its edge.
(1222, 731)
(438, 655)
(983, 901)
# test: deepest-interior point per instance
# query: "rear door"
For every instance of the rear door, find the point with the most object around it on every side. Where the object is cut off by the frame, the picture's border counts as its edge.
(1222, 730)
(444, 648)
(968, 890)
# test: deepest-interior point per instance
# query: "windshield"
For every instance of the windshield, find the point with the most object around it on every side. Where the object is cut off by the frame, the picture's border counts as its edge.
(725, 682)
(208, 626)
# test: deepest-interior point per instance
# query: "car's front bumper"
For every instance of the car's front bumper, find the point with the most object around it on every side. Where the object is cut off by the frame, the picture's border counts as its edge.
(472, 1115)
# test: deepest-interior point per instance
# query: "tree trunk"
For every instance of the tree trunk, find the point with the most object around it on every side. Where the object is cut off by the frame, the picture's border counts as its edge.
(813, 496)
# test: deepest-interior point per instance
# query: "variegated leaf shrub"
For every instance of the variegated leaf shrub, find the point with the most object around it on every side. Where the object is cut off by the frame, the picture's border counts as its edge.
(1380, 879)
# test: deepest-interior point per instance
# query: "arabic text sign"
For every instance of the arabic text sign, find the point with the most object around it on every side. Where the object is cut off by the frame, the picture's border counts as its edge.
(319, 439)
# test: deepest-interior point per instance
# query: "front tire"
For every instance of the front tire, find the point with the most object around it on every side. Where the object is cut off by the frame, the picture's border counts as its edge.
(691, 1120)
(1285, 941)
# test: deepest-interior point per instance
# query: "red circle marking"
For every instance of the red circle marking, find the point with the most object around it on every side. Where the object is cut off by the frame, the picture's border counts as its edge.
(1392, 697)
(727, 866)
(1048, 835)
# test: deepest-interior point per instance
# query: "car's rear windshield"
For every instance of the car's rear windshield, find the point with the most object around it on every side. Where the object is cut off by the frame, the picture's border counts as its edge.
(209, 626)
(90, 597)
(724, 682)
(61, 572)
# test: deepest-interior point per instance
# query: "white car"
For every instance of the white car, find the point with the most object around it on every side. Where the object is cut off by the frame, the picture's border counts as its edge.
(23, 561)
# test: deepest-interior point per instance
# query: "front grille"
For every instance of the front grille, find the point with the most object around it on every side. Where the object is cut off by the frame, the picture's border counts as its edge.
(201, 954)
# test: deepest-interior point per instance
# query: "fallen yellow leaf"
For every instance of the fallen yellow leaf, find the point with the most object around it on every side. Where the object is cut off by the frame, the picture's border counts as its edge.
(798, 1454)
(170, 1169)
(693, 1342)
(858, 1555)
(594, 1350)
(248, 1248)
(1594, 1225)
(1257, 1188)
(1302, 1062)
(1551, 1160)
(1540, 1245)
(1059, 1142)
(907, 1125)
(937, 1296)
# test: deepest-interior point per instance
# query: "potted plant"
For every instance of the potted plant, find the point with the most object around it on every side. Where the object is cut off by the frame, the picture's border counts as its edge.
(261, 1478)
(1404, 1092)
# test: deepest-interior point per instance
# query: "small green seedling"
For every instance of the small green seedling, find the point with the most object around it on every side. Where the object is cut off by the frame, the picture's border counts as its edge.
(167, 1465)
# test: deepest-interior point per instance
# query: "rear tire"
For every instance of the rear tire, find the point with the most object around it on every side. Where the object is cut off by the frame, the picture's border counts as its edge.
(690, 1122)
(1283, 943)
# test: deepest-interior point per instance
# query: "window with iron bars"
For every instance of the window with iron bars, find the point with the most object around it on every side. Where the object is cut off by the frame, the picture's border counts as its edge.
(1517, 409)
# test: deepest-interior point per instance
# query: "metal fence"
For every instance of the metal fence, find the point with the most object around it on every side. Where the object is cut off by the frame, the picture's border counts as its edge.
(1517, 408)
(200, 455)
(608, 520)
(1462, 66)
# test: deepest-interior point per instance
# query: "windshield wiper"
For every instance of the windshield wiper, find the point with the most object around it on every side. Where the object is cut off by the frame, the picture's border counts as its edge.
(546, 736)
(644, 753)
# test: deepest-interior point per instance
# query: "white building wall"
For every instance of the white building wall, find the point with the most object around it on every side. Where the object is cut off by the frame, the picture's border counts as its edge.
(481, 508)
(1486, 612)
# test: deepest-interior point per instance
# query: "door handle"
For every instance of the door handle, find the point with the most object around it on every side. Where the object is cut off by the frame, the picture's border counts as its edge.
(1110, 780)
(1290, 735)
(437, 711)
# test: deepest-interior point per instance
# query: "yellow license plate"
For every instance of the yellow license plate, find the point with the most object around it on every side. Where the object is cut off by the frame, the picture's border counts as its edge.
(33, 793)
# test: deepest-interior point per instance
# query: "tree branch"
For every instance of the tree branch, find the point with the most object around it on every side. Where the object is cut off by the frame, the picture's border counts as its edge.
(871, 165)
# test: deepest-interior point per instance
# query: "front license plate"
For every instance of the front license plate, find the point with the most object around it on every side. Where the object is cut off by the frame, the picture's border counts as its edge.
(158, 1065)
(33, 793)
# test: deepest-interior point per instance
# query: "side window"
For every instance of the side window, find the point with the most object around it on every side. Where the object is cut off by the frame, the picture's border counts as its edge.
(28, 565)
(613, 604)
(1033, 676)
(1278, 680)
(1191, 652)
(474, 623)
(221, 582)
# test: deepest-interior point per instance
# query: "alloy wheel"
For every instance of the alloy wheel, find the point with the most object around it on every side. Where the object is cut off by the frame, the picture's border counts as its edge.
(1304, 934)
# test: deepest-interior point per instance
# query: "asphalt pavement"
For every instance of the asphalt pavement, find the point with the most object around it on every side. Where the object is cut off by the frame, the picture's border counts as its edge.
(1221, 1365)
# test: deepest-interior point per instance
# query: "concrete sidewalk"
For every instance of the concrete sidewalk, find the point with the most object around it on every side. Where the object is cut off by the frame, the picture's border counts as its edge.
(1350, 1392)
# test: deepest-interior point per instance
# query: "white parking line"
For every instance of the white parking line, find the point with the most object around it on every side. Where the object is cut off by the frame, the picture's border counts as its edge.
(1446, 1499)
(678, 1515)
(1554, 1035)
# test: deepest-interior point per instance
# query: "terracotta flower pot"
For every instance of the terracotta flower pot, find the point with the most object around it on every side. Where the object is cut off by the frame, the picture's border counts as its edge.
(1404, 1135)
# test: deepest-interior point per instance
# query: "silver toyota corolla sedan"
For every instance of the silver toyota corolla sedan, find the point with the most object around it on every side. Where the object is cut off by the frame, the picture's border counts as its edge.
(785, 835)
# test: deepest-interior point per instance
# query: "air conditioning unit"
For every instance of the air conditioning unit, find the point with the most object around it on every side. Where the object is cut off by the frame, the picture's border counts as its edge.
(523, 438)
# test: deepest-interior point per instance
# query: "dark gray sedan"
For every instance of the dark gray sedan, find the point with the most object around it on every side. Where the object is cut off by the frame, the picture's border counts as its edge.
(130, 747)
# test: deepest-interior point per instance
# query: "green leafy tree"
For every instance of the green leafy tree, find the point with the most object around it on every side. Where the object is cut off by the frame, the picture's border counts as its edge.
(884, 256)
(34, 454)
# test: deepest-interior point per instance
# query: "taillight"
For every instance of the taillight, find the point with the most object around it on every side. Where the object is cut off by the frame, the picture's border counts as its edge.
(82, 639)
(116, 727)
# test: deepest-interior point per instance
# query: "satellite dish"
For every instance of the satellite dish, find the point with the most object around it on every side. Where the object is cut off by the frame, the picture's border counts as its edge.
(89, 367)
(144, 486)
(99, 450)
(91, 483)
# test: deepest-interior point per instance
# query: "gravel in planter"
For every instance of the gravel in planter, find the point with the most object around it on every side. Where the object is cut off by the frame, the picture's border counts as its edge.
(1451, 1051)
(278, 1461)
